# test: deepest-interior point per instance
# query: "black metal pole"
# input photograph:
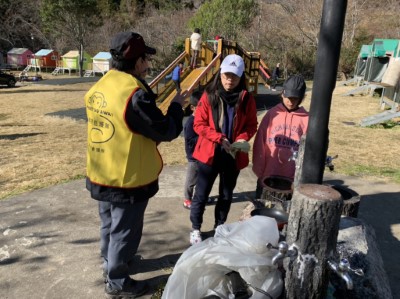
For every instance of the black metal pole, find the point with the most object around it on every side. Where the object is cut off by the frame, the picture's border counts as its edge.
(330, 38)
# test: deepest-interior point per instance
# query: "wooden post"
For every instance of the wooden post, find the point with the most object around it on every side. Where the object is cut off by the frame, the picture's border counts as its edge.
(312, 228)
(188, 51)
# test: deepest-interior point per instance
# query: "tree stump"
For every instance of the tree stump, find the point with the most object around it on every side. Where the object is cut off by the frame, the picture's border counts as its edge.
(313, 229)
(351, 201)
(277, 192)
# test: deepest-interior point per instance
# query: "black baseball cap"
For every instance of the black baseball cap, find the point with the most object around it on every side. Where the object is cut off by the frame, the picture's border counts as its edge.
(295, 87)
(129, 45)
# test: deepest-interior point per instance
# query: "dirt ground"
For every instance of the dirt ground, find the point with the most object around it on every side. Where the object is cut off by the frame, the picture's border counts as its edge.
(43, 136)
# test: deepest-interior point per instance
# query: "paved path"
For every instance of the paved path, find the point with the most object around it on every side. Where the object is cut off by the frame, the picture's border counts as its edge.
(49, 238)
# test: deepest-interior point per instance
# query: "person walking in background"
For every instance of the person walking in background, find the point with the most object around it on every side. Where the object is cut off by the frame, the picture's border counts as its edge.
(226, 114)
(279, 134)
(216, 39)
(215, 46)
(276, 73)
(195, 45)
(123, 162)
(176, 76)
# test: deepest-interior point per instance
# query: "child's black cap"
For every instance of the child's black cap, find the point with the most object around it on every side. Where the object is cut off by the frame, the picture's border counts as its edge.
(295, 87)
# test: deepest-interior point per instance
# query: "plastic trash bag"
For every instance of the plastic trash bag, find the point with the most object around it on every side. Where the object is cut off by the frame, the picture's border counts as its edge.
(241, 246)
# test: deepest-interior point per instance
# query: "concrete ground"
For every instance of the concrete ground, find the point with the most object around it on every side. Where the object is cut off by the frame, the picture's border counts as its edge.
(49, 244)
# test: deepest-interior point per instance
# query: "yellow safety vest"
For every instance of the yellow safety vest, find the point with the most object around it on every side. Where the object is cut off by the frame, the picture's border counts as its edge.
(116, 156)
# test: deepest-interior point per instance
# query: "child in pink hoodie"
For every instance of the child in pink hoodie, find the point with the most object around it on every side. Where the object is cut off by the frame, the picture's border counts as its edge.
(279, 134)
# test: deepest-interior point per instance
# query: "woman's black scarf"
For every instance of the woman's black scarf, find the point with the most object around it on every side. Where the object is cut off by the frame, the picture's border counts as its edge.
(229, 97)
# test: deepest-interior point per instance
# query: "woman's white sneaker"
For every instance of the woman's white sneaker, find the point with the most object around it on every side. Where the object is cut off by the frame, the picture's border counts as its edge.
(195, 237)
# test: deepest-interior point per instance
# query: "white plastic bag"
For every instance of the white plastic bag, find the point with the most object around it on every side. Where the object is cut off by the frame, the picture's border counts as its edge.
(241, 247)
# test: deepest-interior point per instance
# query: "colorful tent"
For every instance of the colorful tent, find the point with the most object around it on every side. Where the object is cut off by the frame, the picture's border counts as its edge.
(102, 62)
(19, 56)
(70, 60)
(377, 63)
(46, 58)
(363, 55)
(385, 47)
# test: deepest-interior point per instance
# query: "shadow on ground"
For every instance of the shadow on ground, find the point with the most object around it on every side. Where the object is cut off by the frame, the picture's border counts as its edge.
(77, 114)
(64, 81)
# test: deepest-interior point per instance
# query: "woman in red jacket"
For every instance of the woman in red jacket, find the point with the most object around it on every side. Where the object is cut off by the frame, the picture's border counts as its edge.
(226, 113)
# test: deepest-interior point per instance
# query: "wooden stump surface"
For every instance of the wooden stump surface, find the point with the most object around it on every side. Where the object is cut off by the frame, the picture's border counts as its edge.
(313, 228)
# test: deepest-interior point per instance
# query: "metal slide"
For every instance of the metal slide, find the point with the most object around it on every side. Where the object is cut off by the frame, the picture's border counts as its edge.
(186, 83)
(191, 79)
(209, 63)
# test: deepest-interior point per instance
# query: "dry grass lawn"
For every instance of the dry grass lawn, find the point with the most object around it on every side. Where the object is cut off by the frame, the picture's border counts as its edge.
(43, 137)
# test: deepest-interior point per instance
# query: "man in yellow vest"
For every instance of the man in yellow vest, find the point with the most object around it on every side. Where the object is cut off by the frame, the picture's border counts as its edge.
(123, 163)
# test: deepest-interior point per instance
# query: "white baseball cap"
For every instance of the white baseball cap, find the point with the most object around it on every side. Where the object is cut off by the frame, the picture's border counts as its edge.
(233, 64)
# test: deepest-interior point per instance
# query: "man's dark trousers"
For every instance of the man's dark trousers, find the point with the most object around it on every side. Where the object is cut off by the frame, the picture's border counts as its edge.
(120, 232)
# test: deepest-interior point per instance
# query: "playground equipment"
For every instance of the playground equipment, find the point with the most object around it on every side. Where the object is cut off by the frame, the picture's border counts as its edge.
(208, 65)
(360, 67)
(390, 88)
(376, 65)
(60, 68)
(264, 74)
(101, 64)
(381, 72)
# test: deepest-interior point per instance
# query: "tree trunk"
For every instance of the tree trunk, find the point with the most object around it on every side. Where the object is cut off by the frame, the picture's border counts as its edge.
(81, 61)
(350, 207)
(312, 228)
(351, 200)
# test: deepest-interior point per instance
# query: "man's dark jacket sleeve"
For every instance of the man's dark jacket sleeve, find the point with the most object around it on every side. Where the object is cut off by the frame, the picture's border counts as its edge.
(144, 117)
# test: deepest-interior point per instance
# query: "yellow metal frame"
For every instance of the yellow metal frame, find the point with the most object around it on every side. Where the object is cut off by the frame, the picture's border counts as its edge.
(209, 65)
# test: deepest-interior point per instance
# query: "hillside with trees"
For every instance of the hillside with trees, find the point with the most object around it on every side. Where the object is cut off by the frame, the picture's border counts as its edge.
(283, 31)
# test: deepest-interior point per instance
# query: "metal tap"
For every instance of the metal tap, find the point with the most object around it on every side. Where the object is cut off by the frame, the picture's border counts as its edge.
(328, 162)
(294, 156)
(283, 251)
(342, 269)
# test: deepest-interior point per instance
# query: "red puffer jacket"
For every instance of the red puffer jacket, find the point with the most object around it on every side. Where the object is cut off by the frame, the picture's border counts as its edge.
(244, 127)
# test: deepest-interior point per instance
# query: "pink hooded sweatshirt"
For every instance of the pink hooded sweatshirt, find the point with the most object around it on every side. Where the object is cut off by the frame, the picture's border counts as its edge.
(277, 137)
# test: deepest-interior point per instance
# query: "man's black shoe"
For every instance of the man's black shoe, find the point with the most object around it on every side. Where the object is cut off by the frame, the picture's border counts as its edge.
(131, 290)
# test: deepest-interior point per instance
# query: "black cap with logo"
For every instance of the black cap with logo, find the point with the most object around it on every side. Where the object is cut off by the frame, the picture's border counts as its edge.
(295, 87)
(129, 45)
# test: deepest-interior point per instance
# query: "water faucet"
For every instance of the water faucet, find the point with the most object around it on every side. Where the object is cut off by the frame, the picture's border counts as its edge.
(328, 162)
(342, 269)
(283, 251)
(283, 248)
(294, 156)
